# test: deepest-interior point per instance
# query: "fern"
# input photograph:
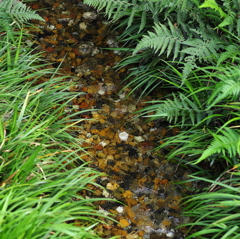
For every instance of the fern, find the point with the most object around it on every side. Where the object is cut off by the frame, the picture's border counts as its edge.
(116, 9)
(183, 107)
(199, 50)
(162, 39)
(202, 50)
(228, 18)
(228, 142)
(228, 87)
(170, 41)
(231, 52)
(18, 11)
(230, 15)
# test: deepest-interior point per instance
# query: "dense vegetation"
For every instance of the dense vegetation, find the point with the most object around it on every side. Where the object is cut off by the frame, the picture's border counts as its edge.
(41, 185)
(192, 48)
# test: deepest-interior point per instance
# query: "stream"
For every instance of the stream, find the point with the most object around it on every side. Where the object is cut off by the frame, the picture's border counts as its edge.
(117, 142)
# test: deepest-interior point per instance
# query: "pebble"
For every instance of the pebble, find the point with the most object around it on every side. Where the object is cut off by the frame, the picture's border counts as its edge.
(120, 209)
(139, 139)
(83, 26)
(123, 136)
(90, 15)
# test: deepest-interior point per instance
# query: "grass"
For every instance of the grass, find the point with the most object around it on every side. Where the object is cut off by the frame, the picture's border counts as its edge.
(40, 181)
(216, 210)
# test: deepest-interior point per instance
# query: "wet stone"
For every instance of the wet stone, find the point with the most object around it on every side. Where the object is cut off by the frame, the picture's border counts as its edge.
(118, 143)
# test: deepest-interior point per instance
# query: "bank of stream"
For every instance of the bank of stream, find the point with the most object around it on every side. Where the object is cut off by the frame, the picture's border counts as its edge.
(117, 142)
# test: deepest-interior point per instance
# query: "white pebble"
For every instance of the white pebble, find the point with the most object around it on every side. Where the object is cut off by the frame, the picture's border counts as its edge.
(119, 209)
(105, 193)
(123, 136)
(170, 234)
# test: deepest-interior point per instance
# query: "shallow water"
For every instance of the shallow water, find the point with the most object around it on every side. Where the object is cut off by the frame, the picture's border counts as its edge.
(119, 144)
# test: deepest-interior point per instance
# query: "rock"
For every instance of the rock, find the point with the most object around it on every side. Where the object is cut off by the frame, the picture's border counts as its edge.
(90, 15)
(83, 26)
(139, 139)
(88, 49)
(123, 136)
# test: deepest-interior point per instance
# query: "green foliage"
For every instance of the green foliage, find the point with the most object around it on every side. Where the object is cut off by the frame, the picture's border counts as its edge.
(212, 4)
(147, 80)
(172, 109)
(17, 12)
(232, 51)
(217, 208)
(163, 40)
(172, 42)
(228, 87)
(130, 9)
(228, 142)
(206, 108)
(40, 206)
(182, 31)
(203, 104)
(37, 189)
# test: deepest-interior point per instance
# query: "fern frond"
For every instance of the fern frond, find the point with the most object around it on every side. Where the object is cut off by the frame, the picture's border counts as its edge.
(163, 39)
(199, 50)
(5, 24)
(22, 13)
(228, 87)
(188, 67)
(202, 50)
(231, 52)
(186, 4)
(227, 143)
(109, 5)
(18, 11)
(178, 107)
(115, 9)
(171, 41)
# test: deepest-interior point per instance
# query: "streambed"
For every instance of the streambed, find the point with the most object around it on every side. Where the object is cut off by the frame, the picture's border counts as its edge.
(118, 143)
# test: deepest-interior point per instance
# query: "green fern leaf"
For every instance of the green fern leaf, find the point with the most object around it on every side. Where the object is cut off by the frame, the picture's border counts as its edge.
(130, 20)
(231, 52)
(143, 21)
(5, 24)
(109, 7)
(199, 50)
(189, 66)
(114, 9)
(18, 11)
(178, 107)
(228, 87)
(228, 143)
(202, 50)
(162, 39)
